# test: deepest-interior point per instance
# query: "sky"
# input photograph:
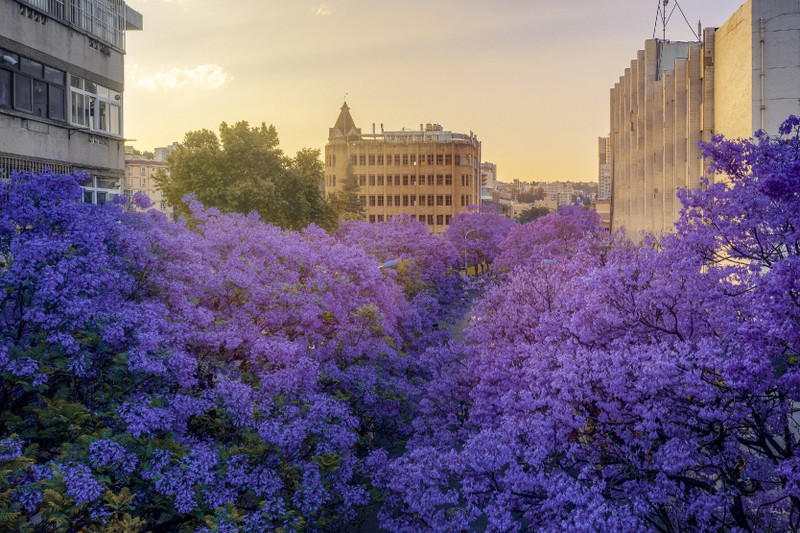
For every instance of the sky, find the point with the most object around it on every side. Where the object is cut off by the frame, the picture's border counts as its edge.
(530, 78)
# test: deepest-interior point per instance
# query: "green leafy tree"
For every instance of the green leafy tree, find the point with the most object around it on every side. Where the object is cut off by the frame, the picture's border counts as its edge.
(531, 214)
(346, 201)
(243, 169)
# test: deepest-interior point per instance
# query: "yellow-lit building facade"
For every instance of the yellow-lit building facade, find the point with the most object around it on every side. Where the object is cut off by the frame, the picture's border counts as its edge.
(430, 174)
(140, 177)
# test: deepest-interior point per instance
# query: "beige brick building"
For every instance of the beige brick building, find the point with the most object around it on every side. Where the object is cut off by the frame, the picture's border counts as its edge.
(742, 77)
(430, 174)
(139, 177)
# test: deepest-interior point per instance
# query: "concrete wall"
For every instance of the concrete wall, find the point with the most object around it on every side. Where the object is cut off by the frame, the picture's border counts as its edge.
(733, 79)
(652, 152)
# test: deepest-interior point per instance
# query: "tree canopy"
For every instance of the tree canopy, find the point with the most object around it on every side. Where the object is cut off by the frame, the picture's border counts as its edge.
(243, 169)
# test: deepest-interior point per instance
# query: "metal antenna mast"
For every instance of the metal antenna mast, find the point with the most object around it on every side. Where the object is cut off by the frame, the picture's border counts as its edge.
(664, 17)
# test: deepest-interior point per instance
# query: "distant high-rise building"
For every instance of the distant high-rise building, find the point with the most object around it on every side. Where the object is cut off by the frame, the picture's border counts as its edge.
(163, 152)
(430, 174)
(61, 89)
(488, 180)
(604, 169)
(742, 77)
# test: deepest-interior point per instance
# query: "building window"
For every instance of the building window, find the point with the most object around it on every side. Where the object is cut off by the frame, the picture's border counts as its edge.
(380, 159)
(389, 200)
(430, 220)
(422, 200)
(413, 159)
(440, 159)
(372, 180)
(413, 199)
(95, 107)
(448, 179)
(430, 159)
(163, 204)
(405, 159)
(413, 181)
(362, 180)
(448, 219)
(142, 171)
(448, 200)
(430, 199)
(372, 159)
(31, 87)
(372, 218)
(448, 159)
(362, 159)
(354, 160)
(99, 190)
(380, 218)
(372, 200)
(397, 180)
(467, 179)
(421, 159)
(405, 200)
(397, 160)
(439, 199)
(439, 179)
(405, 180)
(362, 200)
(333, 178)
(439, 220)
(380, 179)
(143, 182)
(463, 200)
(397, 200)
(380, 200)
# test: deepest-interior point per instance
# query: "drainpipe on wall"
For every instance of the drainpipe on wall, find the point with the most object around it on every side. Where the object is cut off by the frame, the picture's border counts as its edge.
(762, 73)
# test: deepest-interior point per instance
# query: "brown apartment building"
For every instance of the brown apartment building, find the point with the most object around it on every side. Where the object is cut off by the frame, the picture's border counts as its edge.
(430, 174)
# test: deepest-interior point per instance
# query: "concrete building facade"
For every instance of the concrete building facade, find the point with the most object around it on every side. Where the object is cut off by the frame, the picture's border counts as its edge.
(430, 174)
(61, 88)
(741, 77)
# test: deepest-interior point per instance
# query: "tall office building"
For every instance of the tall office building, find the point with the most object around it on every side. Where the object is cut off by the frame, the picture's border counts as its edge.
(741, 77)
(603, 169)
(140, 174)
(430, 174)
(61, 89)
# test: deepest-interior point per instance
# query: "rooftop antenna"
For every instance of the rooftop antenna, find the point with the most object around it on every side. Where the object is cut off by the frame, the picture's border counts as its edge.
(664, 14)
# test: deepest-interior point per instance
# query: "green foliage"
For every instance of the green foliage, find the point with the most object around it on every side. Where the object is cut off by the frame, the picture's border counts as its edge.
(243, 170)
(346, 201)
(531, 214)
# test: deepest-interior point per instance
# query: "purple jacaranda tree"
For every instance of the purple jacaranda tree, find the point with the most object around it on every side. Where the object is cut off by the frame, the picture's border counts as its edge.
(424, 265)
(164, 377)
(557, 236)
(653, 387)
(478, 233)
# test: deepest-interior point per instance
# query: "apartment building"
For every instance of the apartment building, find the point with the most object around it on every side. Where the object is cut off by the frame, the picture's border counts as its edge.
(140, 174)
(61, 89)
(430, 174)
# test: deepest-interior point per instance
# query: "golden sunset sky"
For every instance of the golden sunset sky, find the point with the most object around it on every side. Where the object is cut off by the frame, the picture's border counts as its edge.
(531, 78)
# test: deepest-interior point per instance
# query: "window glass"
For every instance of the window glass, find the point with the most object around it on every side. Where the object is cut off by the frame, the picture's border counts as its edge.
(54, 75)
(56, 110)
(5, 88)
(31, 67)
(7, 58)
(39, 98)
(22, 92)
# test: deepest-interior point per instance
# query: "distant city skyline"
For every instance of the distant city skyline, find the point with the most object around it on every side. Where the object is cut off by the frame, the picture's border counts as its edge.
(530, 78)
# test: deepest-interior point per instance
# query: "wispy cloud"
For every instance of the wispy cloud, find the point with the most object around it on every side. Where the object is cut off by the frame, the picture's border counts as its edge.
(322, 11)
(207, 77)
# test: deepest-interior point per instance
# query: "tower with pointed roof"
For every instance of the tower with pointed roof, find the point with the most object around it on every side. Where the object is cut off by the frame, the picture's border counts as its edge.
(345, 129)
(429, 174)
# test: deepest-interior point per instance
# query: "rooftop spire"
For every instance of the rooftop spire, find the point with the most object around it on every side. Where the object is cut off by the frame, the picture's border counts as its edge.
(344, 129)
